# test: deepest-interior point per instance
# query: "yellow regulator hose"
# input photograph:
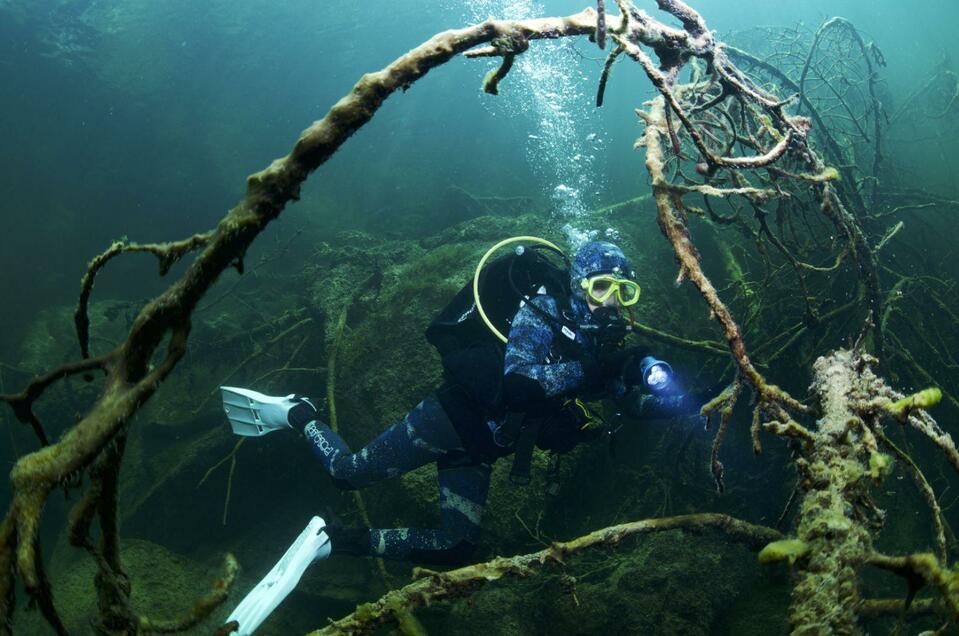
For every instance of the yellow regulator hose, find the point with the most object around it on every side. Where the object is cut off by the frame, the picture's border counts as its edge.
(479, 268)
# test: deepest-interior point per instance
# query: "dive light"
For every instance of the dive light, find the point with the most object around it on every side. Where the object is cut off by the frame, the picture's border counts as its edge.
(657, 375)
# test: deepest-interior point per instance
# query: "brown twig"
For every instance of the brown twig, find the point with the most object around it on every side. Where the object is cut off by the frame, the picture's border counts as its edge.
(724, 404)
(168, 254)
(604, 77)
(22, 403)
(918, 569)
(927, 493)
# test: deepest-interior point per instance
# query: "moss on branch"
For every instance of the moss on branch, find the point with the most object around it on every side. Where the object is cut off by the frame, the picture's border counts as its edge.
(438, 586)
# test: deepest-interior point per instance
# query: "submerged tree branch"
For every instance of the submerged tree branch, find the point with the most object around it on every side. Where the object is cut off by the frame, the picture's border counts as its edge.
(438, 586)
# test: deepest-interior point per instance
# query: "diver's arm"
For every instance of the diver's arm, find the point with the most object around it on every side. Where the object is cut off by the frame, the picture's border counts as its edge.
(647, 406)
(528, 377)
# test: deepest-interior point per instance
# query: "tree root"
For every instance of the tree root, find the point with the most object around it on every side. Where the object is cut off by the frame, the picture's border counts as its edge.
(919, 569)
(724, 405)
(709, 347)
(927, 493)
(201, 609)
(672, 223)
(873, 607)
(167, 254)
(22, 403)
(604, 78)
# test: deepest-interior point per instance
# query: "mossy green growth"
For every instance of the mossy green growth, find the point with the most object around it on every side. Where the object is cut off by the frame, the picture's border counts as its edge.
(364, 612)
(921, 400)
(782, 550)
(407, 623)
(489, 85)
(880, 464)
(767, 123)
(827, 175)
(830, 174)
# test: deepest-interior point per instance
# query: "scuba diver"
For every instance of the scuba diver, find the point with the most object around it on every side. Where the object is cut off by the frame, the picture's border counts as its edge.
(525, 346)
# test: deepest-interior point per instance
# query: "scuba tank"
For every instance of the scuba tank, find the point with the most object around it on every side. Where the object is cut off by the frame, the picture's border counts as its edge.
(470, 331)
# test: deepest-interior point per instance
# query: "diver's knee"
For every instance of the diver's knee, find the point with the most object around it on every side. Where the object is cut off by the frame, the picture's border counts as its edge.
(343, 474)
(462, 552)
(345, 484)
(348, 479)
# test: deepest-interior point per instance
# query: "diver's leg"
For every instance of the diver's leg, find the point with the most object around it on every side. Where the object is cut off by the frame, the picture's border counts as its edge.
(464, 486)
(422, 436)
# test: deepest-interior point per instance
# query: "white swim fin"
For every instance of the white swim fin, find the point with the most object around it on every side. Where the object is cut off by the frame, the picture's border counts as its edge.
(252, 414)
(313, 544)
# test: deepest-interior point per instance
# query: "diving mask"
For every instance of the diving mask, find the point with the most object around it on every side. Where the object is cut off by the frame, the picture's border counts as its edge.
(600, 288)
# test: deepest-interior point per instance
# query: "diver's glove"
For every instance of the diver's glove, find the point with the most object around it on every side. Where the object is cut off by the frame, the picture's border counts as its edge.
(649, 406)
(610, 363)
(253, 414)
(313, 544)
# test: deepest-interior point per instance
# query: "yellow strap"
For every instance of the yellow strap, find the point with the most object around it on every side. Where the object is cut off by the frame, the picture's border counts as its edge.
(591, 418)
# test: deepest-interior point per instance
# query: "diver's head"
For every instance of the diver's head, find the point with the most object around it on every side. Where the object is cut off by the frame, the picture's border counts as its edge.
(603, 276)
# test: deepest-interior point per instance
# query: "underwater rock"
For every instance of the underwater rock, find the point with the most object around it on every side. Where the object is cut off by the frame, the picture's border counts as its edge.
(164, 586)
(51, 336)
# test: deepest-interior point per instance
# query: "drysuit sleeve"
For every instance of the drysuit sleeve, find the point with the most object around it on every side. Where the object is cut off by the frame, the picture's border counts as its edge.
(528, 375)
